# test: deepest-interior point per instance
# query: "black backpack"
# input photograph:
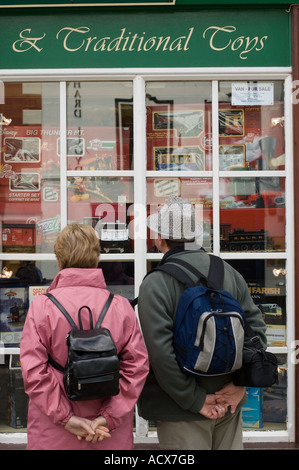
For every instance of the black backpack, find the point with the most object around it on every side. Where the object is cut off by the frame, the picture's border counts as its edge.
(92, 368)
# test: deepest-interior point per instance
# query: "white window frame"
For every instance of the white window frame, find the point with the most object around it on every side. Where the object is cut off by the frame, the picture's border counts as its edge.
(140, 256)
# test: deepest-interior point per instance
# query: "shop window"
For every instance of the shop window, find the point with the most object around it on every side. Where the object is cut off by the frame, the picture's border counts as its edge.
(30, 169)
(233, 172)
(21, 281)
(197, 190)
(251, 126)
(107, 205)
(241, 190)
(266, 279)
(119, 277)
(13, 400)
(99, 125)
(179, 126)
(252, 214)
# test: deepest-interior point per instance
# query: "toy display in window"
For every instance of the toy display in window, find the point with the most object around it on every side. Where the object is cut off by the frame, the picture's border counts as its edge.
(79, 189)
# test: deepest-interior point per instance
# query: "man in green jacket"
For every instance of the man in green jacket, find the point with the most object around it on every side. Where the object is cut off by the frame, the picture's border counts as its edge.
(191, 413)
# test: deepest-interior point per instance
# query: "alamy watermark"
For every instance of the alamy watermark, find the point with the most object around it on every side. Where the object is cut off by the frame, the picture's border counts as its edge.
(177, 224)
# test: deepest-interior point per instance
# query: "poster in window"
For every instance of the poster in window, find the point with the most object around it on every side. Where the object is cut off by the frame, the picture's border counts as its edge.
(22, 149)
(254, 127)
(231, 122)
(231, 156)
(179, 137)
(179, 158)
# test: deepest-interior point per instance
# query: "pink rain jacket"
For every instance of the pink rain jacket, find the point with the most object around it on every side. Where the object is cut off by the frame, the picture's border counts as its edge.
(45, 332)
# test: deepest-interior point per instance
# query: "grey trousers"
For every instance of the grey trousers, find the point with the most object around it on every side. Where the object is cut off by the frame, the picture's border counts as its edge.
(207, 434)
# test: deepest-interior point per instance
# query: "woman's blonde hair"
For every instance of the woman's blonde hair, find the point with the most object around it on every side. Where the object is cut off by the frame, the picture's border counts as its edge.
(77, 246)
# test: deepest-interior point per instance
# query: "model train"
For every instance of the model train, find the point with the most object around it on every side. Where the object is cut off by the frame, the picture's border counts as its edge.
(241, 240)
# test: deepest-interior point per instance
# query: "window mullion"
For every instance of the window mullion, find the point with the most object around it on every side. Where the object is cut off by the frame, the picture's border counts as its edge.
(215, 136)
(63, 155)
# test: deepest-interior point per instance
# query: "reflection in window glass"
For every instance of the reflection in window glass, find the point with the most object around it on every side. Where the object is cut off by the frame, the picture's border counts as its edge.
(196, 190)
(251, 126)
(266, 280)
(252, 214)
(178, 126)
(107, 205)
(30, 168)
(100, 125)
(119, 277)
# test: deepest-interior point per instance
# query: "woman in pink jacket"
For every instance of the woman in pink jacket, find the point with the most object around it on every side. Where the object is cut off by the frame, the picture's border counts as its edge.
(55, 422)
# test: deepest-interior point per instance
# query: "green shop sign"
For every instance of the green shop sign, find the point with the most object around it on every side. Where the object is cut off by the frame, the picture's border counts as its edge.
(47, 39)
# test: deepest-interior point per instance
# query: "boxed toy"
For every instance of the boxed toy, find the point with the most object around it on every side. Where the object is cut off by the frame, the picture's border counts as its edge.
(252, 414)
(13, 309)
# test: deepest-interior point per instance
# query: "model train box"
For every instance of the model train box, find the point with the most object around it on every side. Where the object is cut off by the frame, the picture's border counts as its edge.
(114, 237)
(252, 412)
(19, 238)
(13, 308)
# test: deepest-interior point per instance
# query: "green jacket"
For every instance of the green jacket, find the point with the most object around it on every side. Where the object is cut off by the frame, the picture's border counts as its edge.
(169, 394)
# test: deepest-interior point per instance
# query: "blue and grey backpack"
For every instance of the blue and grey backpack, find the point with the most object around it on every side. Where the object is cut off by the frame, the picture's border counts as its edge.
(209, 324)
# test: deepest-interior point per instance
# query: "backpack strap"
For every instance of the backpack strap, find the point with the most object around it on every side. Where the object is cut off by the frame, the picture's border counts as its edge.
(55, 364)
(70, 320)
(90, 317)
(176, 272)
(104, 310)
(214, 280)
(51, 361)
(215, 277)
(216, 272)
(62, 309)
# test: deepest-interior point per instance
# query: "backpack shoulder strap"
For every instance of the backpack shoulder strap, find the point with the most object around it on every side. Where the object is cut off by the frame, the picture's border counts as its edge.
(55, 364)
(174, 271)
(177, 273)
(214, 280)
(215, 277)
(216, 272)
(63, 311)
(190, 267)
(104, 310)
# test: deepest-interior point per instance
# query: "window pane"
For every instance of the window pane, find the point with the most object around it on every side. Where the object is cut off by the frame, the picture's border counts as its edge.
(266, 408)
(178, 126)
(23, 282)
(107, 205)
(196, 190)
(252, 214)
(29, 175)
(275, 399)
(100, 125)
(119, 277)
(266, 281)
(251, 126)
(13, 400)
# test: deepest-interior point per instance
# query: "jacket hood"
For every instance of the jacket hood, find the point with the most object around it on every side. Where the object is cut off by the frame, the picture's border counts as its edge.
(79, 277)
